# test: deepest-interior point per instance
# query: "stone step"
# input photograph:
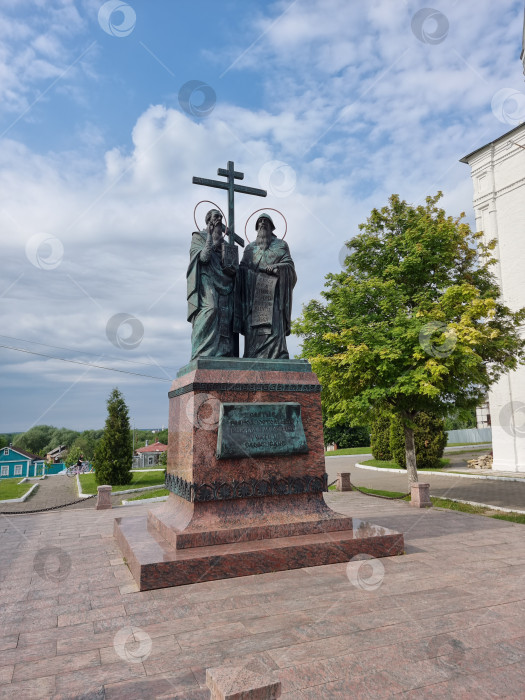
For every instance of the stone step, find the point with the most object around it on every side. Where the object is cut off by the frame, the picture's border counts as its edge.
(155, 563)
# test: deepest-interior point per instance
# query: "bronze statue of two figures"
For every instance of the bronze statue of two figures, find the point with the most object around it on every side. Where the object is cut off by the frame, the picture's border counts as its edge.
(253, 298)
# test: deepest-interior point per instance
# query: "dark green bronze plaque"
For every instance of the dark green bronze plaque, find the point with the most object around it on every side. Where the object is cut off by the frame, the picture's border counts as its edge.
(254, 429)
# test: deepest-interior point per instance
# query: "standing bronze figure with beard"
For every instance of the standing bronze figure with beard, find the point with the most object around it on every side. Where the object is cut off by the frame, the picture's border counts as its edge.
(210, 286)
(265, 281)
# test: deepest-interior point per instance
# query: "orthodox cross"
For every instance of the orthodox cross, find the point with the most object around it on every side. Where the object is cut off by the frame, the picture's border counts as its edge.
(231, 174)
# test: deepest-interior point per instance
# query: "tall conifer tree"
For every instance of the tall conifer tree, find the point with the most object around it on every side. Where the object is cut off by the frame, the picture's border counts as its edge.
(114, 453)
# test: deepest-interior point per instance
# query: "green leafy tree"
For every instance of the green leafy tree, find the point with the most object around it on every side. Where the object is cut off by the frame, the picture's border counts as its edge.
(430, 440)
(61, 436)
(163, 459)
(415, 322)
(35, 439)
(459, 420)
(346, 436)
(87, 442)
(74, 454)
(113, 455)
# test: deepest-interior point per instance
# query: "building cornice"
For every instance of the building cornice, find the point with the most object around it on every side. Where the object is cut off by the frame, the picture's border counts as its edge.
(482, 199)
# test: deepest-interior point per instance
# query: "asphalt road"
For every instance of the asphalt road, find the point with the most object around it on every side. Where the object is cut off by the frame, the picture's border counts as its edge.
(509, 494)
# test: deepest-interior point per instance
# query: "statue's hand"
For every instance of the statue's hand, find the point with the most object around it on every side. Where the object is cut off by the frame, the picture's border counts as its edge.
(271, 270)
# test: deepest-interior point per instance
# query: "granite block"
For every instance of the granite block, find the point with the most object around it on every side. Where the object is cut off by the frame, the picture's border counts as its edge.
(154, 563)
(194, 421)
(343, 481)
(186, 525)
(241, 683)
(103, 497)
(419, 496)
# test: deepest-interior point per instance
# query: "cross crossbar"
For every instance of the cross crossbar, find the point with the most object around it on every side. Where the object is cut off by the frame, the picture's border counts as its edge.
(231, 174)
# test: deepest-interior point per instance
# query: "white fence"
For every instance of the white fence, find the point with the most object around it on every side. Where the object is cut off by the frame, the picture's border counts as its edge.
(470, 435)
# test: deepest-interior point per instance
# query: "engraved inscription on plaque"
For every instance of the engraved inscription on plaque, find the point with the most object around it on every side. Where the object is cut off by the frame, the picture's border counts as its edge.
(262, 310)
(251, 429)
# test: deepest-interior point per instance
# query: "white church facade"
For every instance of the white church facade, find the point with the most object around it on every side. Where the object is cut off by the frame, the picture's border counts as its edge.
(498, 174)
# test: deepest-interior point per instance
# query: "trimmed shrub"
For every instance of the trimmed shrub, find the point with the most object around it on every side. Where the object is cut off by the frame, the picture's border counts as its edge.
(345, 436)
(429, 436)
(380, 436)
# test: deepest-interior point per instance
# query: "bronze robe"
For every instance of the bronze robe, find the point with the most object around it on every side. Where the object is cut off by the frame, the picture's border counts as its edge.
(265, 330)
(210, 293)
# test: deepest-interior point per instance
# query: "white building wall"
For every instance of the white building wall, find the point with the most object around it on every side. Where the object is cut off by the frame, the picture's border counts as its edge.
(498, 174)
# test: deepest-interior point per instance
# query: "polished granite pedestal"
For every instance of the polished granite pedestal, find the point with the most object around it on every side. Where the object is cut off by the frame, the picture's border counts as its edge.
(246, 475)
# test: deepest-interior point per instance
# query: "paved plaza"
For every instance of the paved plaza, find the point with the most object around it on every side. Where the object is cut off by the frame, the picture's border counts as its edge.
(446, 620)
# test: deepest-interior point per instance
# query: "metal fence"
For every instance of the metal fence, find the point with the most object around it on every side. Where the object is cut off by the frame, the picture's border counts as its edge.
(470, 435)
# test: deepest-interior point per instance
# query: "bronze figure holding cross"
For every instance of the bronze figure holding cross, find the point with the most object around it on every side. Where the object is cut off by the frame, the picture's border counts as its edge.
(225, 298)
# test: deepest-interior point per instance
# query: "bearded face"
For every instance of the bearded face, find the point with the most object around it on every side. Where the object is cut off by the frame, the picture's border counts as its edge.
(264, 234)
(215, 226)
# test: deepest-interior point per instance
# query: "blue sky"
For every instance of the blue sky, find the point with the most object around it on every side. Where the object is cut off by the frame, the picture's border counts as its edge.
(330, 105)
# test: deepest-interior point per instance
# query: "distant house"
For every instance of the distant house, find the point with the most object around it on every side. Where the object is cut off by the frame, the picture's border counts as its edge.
(149, 455)
(58, 454)
(15, 462)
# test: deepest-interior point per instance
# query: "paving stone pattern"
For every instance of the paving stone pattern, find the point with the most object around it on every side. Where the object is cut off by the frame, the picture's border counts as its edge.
(446, 620)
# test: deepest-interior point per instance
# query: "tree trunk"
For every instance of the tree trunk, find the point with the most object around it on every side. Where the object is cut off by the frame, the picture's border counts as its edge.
(410, 450)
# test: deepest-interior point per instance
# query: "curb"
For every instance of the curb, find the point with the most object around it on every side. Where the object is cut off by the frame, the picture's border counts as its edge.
(140, 501)
(461, 476)
(22, 498)
(81, 494)
(149, 470)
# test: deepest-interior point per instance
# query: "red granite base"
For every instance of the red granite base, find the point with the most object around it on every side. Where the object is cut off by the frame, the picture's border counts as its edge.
(155, 563)
(248, 514)
(183, 524)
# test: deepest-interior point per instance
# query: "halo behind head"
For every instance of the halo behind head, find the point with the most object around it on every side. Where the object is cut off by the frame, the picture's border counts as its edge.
(266, 216)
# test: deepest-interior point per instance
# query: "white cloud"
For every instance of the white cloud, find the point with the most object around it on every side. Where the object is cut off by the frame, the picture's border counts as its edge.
(355, 105)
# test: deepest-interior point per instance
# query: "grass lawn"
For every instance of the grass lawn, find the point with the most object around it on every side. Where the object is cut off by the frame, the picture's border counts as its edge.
(149, 494)
(511, 517)
(139, 481)
(395, 465)
(390, 494)
(9, 488)
(462, 507)
(478, 510)
(349, 451)
(379, 492)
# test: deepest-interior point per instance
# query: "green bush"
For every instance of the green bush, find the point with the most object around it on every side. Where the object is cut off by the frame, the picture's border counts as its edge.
(380, 436)
(430, 439)
(345, 436)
